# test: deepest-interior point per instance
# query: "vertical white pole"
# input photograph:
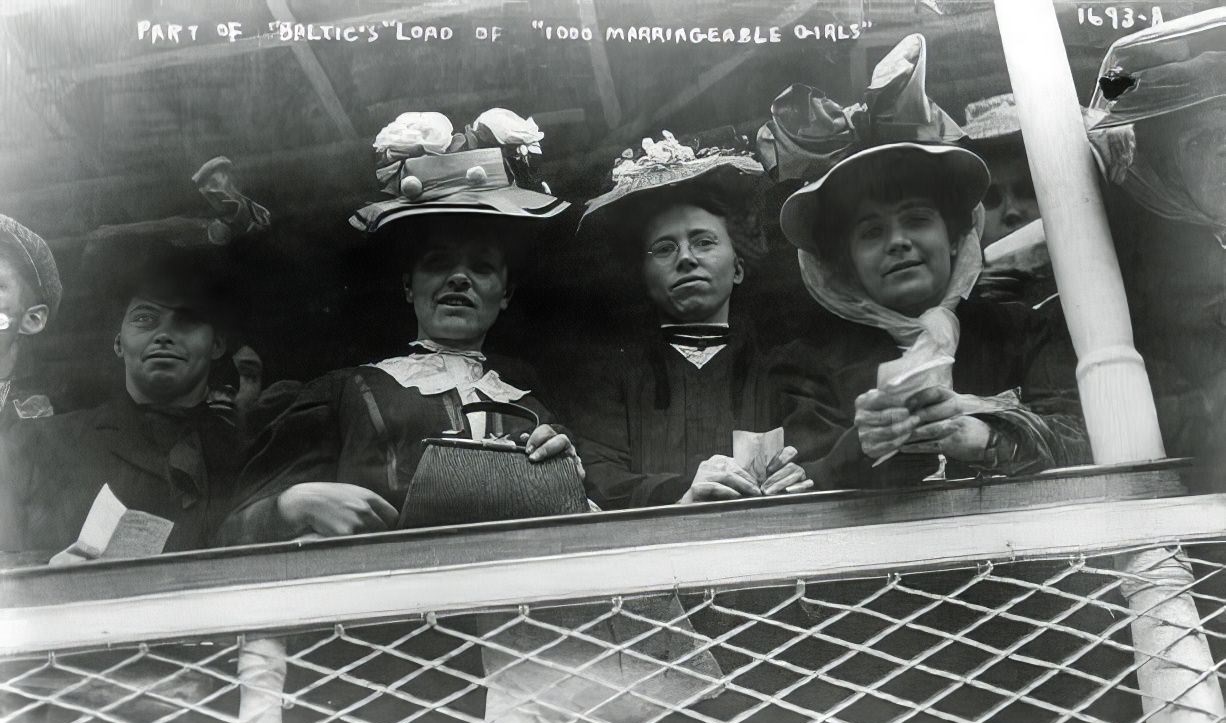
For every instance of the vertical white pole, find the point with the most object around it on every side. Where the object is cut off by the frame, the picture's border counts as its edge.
(261, 672)
(1115, 391)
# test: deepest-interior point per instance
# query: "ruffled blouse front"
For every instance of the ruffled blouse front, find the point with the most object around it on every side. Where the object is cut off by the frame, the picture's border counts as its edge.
(435, 369)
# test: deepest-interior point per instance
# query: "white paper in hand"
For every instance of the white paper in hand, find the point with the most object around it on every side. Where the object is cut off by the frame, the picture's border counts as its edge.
(111, 530)
(753, 451)
(935, 373)
(938, 372)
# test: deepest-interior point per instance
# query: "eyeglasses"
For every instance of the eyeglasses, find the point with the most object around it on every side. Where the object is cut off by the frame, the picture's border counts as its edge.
(667, 249)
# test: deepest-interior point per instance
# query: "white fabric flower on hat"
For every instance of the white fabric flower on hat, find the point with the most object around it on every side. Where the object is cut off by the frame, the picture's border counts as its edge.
(669, 150)
(507, 128)
(414, 133)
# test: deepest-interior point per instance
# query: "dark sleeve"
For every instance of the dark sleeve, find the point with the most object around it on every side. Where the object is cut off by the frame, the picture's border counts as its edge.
(604, 429)
(16, 475)
(42, 501)
(800, 395)
(301, 443)
(1049, 429)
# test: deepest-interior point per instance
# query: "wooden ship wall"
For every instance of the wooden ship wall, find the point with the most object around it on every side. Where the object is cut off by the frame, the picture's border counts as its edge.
(102, 132)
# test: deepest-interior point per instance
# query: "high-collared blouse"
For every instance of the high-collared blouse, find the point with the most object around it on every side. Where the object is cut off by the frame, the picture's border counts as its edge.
(435, 369)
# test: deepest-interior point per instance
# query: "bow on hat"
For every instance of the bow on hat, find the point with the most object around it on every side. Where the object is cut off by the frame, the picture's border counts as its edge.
(809, 133)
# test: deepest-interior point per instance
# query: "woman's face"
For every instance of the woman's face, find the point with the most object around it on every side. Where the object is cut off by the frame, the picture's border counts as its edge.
(1200, 148)
(457, 288)
(689, 265)
(901, 253)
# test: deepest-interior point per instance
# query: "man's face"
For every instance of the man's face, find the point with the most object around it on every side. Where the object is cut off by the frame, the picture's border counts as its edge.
(167, 349)
(17, 314)
(689, 265)
(458, 287)
(1201, 156)
(1009, 202)
(901, 253)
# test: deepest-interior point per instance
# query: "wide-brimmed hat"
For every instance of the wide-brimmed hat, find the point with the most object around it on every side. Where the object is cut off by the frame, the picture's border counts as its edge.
(719, 161)
(40, 263)
(427, 169)
(992, 118)
(1163, 69)
(951, 166)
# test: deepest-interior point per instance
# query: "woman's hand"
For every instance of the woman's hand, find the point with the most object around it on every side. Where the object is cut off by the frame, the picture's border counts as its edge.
(720, 478)
(883, 422)
(333, 509)
(784, 475)
(945, 427)
(545, 443)
(962, 438)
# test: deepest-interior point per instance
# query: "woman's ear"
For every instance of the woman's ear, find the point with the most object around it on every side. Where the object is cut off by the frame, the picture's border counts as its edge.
(35, 319)
(219, 347)
(506, 297)
(118, 347)
(738, 273)
(407, 280)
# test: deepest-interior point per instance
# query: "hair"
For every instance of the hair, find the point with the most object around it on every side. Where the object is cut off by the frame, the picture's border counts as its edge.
(201, 277)
(740, 216)
(887, 178)
(407, 241)
(31, 293)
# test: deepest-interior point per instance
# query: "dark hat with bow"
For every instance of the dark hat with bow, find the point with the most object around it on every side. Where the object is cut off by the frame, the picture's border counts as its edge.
(30, 249)
(1163, 69)
(428, 169)
(813, 138)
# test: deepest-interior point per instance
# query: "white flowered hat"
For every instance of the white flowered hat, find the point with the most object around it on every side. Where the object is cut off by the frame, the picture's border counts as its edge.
(725, 165)
(428, 168)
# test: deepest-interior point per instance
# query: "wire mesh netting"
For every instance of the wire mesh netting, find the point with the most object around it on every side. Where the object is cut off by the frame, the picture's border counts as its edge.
(1045, 640)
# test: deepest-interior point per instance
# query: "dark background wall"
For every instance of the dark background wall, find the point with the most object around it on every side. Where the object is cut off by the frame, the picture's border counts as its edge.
(102, 131)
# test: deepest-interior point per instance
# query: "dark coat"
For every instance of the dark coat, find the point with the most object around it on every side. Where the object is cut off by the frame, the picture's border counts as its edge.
(812, 383)
(1175, 278)
(179, 465)
(357, 426)
(650, 418)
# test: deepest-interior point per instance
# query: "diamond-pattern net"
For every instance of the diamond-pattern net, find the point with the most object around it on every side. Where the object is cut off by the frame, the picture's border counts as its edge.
(1045, 640)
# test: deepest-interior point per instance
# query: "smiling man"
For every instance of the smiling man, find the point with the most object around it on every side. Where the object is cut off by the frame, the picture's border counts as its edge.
(158, 446)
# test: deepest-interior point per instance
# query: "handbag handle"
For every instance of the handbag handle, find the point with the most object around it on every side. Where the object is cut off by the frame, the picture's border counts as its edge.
(509, 409)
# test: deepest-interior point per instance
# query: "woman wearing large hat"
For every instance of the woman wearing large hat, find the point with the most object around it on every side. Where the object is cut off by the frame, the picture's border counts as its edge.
(658, 420)
(341, 456)
(888, 241)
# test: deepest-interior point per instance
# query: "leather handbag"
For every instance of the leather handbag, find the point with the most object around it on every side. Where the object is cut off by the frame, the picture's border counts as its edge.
(461, 480)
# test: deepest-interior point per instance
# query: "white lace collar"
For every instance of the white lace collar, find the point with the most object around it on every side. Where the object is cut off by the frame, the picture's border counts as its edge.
(441, 369)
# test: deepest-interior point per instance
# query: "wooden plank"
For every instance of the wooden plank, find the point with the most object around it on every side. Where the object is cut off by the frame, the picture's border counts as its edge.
(600, 66)
(762, 559)
(573, 535)
(13, 8)
(648, 120)
(316, 74)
